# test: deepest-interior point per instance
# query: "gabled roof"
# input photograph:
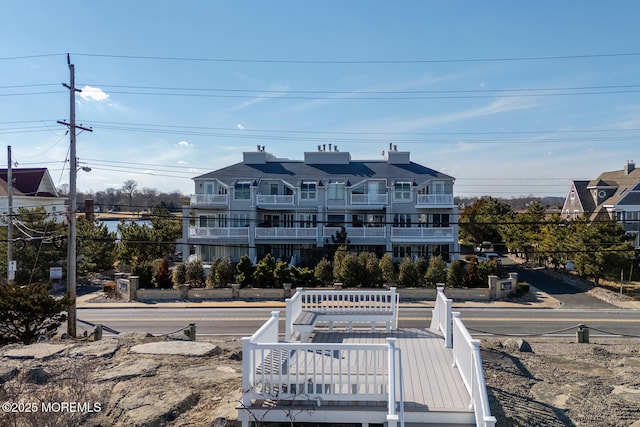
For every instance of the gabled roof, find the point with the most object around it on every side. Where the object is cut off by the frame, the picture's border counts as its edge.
(354, 171)
(34, 182)
(584, 196)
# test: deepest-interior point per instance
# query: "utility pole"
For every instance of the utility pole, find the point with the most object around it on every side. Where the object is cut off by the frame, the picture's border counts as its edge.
(10, 267)
(73, 171)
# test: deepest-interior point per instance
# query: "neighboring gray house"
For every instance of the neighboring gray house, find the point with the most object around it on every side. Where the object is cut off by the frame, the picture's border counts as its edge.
(291, 208)
(614, 194)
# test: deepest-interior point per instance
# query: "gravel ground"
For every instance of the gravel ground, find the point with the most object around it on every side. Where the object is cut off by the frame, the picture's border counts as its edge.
(563, 383)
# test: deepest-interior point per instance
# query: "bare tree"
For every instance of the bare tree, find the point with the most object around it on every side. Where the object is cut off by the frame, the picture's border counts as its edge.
(129, 188)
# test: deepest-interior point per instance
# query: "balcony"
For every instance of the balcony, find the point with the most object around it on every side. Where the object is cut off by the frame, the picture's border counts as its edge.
(275, 199)
(209, 200)
(219, 233)
(422, 234)
(369, 199)
(434, 200)
(360, 233)
(286, 233)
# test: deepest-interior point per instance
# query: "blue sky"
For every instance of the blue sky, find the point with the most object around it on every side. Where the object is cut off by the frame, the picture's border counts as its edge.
(510, 98)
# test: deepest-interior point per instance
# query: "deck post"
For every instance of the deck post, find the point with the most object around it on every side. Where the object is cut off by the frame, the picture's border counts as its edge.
(392, 416)
(454, 315)
(247, 372)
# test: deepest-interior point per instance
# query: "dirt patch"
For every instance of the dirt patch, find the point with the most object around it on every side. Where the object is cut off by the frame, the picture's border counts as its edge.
(564, 383)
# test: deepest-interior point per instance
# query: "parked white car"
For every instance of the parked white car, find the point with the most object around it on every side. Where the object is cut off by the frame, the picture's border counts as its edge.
(488, 256)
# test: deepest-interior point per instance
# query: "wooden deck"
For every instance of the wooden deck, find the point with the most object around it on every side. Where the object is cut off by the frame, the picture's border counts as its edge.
(430, 382)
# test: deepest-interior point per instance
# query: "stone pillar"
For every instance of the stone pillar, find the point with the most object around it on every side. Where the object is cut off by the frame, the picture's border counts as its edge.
(493, 288)
(184, 292)
(235, 290)
(287, 290)
(134, 285)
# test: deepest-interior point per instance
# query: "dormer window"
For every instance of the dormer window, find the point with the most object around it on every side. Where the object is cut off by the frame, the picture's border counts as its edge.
(242, 191)
(402, 190)
(308, 190)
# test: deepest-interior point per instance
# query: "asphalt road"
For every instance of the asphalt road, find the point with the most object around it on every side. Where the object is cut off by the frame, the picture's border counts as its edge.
(243, 322)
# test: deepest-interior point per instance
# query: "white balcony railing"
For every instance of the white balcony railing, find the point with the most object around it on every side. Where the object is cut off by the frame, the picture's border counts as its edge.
(209, 199)
(275, 199)
(219, 232)
(434, 234)
(356, 232)
(286, 233)
(435, 199)
(369, 199)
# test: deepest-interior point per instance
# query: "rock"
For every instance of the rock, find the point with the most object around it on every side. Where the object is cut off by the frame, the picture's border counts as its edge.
(105, 348)
(236, 355)
(213, 374)
(38, 376)
(184, 348)
(154, 405)
(517, 344)
(125, 371)
(7, 373)
(39, 351)
(220, 422)
(134, 338)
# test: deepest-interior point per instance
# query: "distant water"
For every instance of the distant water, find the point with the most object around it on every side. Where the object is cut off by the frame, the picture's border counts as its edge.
(112, 224)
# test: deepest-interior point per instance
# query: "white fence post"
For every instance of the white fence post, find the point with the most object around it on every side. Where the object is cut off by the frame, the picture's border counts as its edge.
(392, 416)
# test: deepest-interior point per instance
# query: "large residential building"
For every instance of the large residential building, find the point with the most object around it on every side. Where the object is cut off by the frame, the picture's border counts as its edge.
(291, 209)
(32, 188)
(615, 195)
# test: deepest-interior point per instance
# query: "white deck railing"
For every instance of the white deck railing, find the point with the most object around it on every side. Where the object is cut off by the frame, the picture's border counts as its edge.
(315, 372)
(286, 233)
(369, 199)
(341, 302)
(441, 317)
(219, 232)
(275, 199)
(466, 357)
(357, 232)
(209, 199)
(435, 199)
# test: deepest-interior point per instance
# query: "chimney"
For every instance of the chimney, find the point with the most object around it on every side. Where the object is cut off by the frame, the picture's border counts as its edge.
(391, 146)
(629, 167)
(395, 147)
(319, 147)
(329, 147)
(335, 148)
(324, 147)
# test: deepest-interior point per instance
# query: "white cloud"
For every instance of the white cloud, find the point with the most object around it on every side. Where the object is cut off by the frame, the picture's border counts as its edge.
(239, 126)
(149, 172)
(90, 93)
(185, 144)
(182, 162)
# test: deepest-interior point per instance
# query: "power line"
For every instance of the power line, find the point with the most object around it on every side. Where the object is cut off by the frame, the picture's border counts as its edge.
(368, 62)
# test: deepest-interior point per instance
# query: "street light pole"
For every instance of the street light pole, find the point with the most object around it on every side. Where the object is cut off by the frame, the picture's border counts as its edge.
(73, 172)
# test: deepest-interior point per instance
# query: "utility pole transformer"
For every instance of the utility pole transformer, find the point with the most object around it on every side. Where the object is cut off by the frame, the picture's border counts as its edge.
(73, 171)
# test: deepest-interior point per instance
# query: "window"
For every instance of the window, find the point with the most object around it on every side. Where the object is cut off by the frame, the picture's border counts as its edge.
(308, 191)
(401, 251)
(242, 191)
(438, 187)
(402, 191)
(336, 191)
(572, 195)
(441, 220)
(240, 220)
(308, 220)
(423, 220)
(402, 220)
(375, 220)
(209, 188)
(213, 221)
(335, 220)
